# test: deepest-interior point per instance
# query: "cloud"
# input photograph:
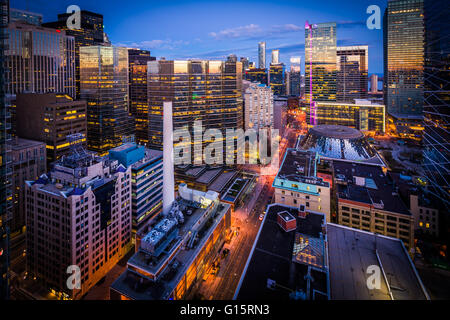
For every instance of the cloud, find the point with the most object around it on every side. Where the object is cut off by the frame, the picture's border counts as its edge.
(167, 44)
(254, 31)
(239, 32)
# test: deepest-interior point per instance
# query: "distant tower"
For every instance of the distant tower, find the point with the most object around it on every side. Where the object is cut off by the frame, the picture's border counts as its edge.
(168, 171)
(275, 56)
(262, 55)
(374, 83)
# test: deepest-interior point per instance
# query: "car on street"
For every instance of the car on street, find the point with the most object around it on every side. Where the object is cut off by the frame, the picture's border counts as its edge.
(261, 217)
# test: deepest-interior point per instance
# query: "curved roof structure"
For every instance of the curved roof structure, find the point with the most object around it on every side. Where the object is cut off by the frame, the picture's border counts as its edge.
(339, 142)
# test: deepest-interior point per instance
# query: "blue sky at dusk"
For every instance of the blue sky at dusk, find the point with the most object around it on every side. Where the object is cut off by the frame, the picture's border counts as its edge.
(215, 29)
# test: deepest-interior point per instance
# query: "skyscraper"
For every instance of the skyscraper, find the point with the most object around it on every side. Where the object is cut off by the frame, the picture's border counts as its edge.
(437, 98)
(257, 75)
(208, 91)
(352, 73)
(137, 66)
(373, 83)
(5, 159)
(104, 86)
(277, 78)
(262, 55)
(275, 56)
(48, 66)
(320, 62)
(25, 16)
(90, 34)
(404, 57)
(258, 107)
(295, 76)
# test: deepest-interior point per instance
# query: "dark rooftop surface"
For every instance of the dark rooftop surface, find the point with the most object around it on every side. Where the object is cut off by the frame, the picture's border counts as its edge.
(298, 165)
(377, 188)
(352, 251)
(272, 258)
(337, 132)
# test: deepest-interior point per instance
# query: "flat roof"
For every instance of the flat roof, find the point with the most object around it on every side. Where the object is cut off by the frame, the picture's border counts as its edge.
(222, 180)
(272, 258)
(299, 166)
(21, 143)
(352, 251)
(209, 175)
(378, 188)
(139, 287)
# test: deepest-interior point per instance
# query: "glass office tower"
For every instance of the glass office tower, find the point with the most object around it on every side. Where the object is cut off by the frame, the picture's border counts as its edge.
(90, 34)
(104, 86)
(404, 57)
(352, 73)
(5, 159)
(437, 98)
(295, 76)
(257, 75)
(209, 91)
(262, 55)
(39, 60)
(137, 66)
(320, 62)
(277, 78)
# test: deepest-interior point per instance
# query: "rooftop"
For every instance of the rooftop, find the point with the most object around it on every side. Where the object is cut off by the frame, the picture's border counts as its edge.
(139, 287)
(352, 251)
(274, 257)
(20, 144)
(367, 184)
(300, 166)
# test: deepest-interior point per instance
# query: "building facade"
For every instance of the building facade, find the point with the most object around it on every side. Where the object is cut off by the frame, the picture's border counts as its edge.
(297, 183)
(277, 78)
(367, 200)
(294, 77)
(79, 214)
(257, 75)
(404, 57)
(50, 118)
(29, 162)
(352, 73)
(436, 138)
(48, 66)
(104, 86)
(137, 66)
(25, 16)
(320, 62)
(206, 91)
(146, 181)
(5, 157)
(258, 101)
(361, 115)
(262, 55)
(90, 34)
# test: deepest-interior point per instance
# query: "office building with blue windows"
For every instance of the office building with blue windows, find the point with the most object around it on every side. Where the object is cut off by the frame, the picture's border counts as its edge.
(146, 181)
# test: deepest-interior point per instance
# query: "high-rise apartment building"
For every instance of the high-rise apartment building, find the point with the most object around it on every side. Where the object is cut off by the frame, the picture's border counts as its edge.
(404, 58)
(47, 66)
(90, 34)
(146, 181)
(275, 56)
(5, 158)
(50, 118)
(29, 162)
(79, 214)
(258, 101)
(207, 91)
(104, 86)
(436, 138)
(320, 62)
(262, 55)
(137, 66)
(245, 63)
(352, 73)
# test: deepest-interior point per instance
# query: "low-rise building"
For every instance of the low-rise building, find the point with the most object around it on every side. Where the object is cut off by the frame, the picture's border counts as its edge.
(178, 251)
(297, 183)
(367, 199)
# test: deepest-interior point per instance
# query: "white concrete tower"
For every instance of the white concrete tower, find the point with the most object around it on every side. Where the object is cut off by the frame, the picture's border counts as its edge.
(168, 171)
